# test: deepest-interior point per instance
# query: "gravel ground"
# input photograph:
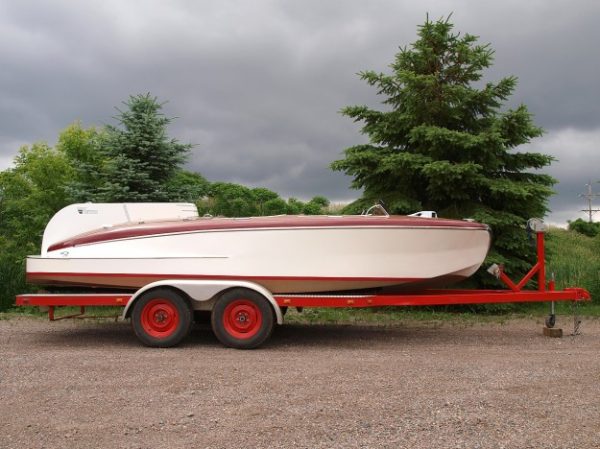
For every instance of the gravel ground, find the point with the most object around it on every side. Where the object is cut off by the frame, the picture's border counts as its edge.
(89, 384)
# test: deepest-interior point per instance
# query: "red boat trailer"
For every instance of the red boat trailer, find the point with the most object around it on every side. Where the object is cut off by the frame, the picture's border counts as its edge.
(515, 293)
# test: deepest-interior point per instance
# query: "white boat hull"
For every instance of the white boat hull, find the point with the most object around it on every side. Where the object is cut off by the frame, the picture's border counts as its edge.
(283, 260)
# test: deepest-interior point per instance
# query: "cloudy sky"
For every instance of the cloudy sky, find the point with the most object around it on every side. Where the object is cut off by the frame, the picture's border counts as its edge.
(258, 85)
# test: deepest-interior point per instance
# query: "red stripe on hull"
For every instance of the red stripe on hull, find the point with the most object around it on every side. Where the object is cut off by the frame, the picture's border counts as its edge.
(273, 283)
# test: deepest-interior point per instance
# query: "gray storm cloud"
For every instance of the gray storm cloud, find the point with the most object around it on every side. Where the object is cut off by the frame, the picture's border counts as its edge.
(257, 86)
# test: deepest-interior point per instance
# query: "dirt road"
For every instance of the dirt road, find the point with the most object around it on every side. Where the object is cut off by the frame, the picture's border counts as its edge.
(91, 385)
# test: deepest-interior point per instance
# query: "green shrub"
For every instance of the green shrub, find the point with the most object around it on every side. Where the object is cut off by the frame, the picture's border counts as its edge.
(585, 227)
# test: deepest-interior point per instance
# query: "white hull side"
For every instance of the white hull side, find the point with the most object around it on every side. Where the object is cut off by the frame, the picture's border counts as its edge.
(283, 260)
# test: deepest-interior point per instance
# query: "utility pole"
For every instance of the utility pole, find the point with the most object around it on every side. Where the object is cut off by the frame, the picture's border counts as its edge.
(589, 196)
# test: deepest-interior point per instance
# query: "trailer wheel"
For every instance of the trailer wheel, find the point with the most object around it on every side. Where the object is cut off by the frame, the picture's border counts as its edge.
(161, 318)
(242, 319)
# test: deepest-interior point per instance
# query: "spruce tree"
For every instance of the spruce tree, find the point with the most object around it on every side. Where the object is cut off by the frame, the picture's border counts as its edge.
(446, 142)
(139, 159)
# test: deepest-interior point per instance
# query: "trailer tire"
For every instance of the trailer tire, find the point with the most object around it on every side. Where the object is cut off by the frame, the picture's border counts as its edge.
(161, 318)
(242, 319)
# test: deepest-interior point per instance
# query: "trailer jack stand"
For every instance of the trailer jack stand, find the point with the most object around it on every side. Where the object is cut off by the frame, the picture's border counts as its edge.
(550, 322)
(551, 318)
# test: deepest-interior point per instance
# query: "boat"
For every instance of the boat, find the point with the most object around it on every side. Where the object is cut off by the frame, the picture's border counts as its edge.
(129, 245)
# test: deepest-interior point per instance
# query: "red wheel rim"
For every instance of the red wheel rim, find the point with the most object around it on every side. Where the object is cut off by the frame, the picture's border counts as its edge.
(160, 318)
(242, 319)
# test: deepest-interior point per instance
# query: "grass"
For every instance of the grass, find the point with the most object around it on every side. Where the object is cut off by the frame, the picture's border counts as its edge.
(394, 316)
(388, 316)
(574, 261)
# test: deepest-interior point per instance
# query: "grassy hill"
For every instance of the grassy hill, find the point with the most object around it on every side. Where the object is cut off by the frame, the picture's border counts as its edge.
(574, 259)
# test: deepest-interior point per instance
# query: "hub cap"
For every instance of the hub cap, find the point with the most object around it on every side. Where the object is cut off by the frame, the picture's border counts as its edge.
(242, 319)
(160, 318)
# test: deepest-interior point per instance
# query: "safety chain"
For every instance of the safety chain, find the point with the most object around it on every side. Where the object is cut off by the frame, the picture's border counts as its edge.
(576, 319)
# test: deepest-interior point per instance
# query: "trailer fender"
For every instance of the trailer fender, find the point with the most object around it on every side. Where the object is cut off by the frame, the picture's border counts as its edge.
(201, 291)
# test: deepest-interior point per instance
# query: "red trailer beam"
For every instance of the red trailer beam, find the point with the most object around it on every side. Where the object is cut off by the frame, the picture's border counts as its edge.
(74, 299)
(422, 298)
(432, 298)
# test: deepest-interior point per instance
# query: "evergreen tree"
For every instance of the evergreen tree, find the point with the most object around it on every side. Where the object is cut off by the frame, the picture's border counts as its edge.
(445, 143)
(139, 159)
